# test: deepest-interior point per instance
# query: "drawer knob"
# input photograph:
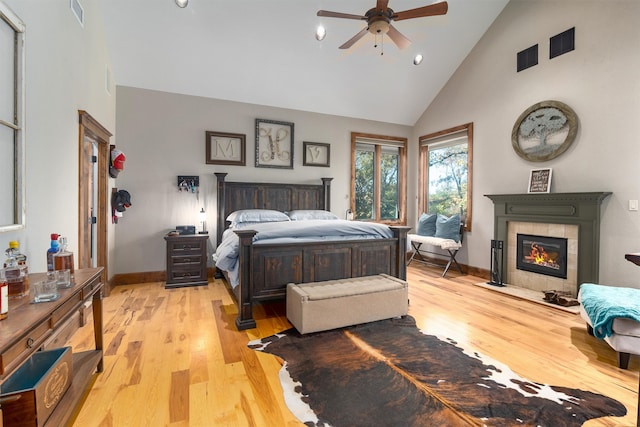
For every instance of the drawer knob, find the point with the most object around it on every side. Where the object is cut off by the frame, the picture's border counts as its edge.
(30, 343)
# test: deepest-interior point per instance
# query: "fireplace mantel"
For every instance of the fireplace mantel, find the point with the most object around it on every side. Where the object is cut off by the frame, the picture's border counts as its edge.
(581, 209)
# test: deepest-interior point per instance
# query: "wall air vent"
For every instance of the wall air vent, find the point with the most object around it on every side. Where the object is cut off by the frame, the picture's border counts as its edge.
(78, 11)
(562, 43)
(527, 58)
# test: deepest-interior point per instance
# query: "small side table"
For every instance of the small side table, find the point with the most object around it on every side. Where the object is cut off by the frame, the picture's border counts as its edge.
(186, 260)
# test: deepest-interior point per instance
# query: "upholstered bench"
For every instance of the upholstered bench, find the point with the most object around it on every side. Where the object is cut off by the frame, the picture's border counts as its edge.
(319, 306)
(612, 314)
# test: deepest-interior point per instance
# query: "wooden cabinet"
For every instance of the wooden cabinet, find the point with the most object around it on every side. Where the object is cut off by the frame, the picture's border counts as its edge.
(186, 260)
(28, 327)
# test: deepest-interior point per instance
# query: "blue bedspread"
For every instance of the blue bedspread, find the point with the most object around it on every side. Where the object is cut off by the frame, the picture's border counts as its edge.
(604, 303)
(226, 256)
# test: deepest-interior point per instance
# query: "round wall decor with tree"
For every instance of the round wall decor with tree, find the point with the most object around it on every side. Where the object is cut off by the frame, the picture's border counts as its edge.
(544, 131)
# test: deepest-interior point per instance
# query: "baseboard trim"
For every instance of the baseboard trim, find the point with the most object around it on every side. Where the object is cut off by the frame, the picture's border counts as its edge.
(473, 271)
(146, 277)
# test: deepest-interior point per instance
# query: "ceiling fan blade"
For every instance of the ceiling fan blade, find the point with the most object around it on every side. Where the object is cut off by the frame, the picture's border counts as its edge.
(396, 37)
(382, 5)
(354, 39)
(431, 10)
(330, 14)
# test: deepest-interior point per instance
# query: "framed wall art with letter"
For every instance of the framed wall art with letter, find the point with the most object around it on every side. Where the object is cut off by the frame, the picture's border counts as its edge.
(225, 148)
(274, 144)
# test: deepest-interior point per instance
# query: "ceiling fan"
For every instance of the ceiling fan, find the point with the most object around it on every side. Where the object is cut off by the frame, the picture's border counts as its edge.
(380, 17)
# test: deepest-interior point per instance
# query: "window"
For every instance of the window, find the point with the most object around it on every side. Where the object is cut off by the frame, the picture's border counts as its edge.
(445, 172)
(11, 120)
(378, 183)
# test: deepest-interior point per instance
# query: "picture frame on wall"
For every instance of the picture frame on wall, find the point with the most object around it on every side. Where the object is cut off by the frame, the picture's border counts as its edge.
(540, 180)
(274, 144)
(316, 154)
(223, 148)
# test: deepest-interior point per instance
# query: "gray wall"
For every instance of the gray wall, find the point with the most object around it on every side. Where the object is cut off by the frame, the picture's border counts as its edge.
(599, 81)
(163, 136)
(65, 72)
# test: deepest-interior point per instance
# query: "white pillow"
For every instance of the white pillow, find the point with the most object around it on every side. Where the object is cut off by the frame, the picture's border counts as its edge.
(255, 216)
(301, 215)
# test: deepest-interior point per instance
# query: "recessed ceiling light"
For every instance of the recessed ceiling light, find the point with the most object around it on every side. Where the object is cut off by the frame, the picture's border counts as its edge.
(417, 60)
(182, 3)
(320, 33)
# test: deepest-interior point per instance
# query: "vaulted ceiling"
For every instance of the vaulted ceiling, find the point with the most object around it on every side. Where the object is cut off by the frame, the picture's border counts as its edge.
(265, 52)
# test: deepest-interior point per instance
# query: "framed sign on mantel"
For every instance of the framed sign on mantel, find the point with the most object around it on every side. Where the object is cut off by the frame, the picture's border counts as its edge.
(540, 181)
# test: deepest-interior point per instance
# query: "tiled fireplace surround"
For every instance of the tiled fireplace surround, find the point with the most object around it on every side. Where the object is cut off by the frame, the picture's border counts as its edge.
(574, 216)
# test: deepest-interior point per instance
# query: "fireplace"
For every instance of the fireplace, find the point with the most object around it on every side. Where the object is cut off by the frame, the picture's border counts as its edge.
(541, 215)
(543, 255)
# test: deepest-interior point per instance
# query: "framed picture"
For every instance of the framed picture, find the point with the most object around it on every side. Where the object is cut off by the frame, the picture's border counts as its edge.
(224, 148)
(316, 154)
(544, 131)
(274, 144)
(540, 181)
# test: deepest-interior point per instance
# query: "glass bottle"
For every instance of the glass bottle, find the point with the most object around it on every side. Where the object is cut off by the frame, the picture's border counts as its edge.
(4, 296)
(54, 249)
(63, 260)
(16, 271)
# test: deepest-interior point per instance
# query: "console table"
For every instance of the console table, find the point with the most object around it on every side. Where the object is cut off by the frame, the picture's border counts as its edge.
(28, 327)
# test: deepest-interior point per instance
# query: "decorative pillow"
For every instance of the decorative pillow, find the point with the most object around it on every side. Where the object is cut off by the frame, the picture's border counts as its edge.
(448, 228)
(303, 214)
(256, 215)
(427, 225)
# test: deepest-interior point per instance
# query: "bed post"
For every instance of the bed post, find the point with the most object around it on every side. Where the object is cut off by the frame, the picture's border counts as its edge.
(400, 233)
(326, 184)
(221, 206)
(245, 270)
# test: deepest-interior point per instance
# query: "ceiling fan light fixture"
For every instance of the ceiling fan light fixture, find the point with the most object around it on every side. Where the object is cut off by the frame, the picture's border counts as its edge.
(417, 60)
(379, 27)
(321, 33)
(182, 3)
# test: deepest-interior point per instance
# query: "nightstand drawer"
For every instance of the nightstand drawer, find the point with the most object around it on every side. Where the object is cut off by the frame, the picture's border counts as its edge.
(187, 275)
(178, 260)
(182, 247)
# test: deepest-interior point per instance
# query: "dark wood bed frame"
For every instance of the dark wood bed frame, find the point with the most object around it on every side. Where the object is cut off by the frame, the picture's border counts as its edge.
(266, 269)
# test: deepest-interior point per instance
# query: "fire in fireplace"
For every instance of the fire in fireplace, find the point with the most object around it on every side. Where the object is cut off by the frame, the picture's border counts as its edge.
(543, 255)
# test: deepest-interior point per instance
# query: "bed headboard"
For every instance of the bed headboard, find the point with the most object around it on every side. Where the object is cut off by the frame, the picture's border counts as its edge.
(233, 196)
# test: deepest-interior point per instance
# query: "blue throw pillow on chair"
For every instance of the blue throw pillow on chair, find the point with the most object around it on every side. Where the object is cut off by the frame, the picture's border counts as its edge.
(427, 225)
(448, 228)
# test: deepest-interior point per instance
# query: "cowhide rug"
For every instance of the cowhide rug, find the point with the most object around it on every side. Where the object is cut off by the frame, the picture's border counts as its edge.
(389, 373)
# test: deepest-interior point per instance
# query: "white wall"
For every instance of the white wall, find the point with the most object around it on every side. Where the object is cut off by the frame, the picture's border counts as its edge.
(65, 72)
(163, 136)
(599, 81)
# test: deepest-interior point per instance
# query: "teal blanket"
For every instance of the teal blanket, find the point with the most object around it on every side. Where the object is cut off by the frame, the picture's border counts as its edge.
(604, 303)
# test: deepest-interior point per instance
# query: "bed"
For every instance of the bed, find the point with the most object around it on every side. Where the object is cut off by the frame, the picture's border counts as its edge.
(265, 267)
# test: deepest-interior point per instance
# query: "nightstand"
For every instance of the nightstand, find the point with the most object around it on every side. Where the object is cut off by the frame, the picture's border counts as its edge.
(186, 260)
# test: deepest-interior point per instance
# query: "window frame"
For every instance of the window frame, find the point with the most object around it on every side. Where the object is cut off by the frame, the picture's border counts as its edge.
(17, 124)
(379, 141)
(423, 169)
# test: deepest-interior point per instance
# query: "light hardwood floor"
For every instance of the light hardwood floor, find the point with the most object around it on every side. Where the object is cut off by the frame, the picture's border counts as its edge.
(174, 358)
